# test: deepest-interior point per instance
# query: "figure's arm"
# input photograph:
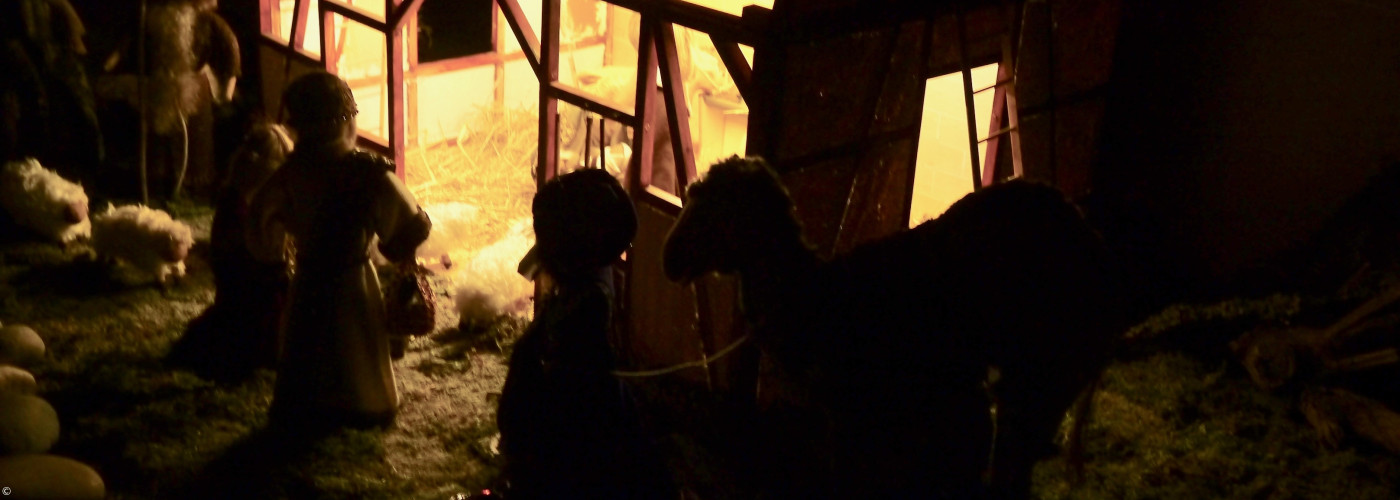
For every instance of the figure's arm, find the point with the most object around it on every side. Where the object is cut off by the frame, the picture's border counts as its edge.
(398, 220)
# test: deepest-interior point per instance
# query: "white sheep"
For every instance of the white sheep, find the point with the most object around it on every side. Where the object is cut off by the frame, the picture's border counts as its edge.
(40, 200)
(147, 239)
(488, 286)
(453, 222)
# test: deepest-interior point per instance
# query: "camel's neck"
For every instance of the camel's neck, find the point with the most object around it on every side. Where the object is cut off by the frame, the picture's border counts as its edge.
(776, 275)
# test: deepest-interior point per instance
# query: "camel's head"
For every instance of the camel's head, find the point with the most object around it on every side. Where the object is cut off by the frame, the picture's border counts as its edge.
(737, 212)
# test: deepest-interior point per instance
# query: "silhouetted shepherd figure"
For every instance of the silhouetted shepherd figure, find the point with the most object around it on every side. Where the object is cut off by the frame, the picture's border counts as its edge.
(239, 332)
(330, 201)
(567, 427)
(890, 344)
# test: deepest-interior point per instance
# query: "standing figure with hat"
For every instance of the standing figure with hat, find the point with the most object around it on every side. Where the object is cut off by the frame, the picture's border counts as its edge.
(329, 201)
(567, 427)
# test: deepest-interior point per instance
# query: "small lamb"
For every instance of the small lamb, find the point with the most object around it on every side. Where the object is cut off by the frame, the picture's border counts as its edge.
(40, 200)
(148, 239)
(488, 285)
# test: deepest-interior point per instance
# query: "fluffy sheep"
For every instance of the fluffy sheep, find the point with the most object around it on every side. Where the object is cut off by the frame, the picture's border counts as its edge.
(145, 238)
(894, 341)
(488, 286)
(40, 200)
(453, 222)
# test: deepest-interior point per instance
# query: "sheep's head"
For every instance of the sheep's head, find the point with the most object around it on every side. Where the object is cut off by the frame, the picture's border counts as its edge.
(175, 243)
(731, 217)
(75, 211)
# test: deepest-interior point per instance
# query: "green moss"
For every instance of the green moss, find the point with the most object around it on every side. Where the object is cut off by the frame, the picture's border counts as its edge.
(1170, 426)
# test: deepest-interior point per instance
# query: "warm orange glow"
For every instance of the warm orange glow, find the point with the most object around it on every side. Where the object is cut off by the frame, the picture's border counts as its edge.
(943, 168)
(472, 130)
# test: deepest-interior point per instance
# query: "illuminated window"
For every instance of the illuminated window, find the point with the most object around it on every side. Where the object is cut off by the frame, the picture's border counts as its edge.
(943, 167)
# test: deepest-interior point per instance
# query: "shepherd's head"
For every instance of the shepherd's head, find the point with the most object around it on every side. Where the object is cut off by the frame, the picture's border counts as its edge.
(321, 110)
(739, 210)
(583, 222)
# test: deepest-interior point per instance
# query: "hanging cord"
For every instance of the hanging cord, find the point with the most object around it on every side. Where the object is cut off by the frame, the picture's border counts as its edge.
(703, 362)
(184, 154)
(141, 92)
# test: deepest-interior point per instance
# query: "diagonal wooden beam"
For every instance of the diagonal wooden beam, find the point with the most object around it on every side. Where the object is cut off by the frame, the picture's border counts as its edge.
(696, 17)
(299, 13)
(678, 116)
(354, 13)
(405, 10)
(587, 102)
(639, 168)
(738, 67)
(529, 43)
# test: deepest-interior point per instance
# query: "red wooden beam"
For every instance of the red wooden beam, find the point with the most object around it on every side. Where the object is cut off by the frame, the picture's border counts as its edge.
(529, 43)
(989, 166)
(679, 115)
(266, 10)
(738, 67)
(355, 14)
(284, 50)
(406, 10)
(330, 48)
(299, 13)
(722, 24)
(548, 71)
(578, 97)
(639, 168)
(397, 114)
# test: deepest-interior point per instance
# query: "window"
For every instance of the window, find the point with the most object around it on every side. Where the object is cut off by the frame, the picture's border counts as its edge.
(453, 28)
(943, 166)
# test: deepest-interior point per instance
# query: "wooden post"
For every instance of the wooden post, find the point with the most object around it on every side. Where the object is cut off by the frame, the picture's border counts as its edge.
(967, 98)
(639, 168)
(678, 114)
(549, 106)
(394, 39)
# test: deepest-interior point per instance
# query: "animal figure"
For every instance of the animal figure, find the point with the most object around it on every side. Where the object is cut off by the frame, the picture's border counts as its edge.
(192, 63)
(893, 342)
(147, 239)
(453, 223)
(488, 285)
(41, 200)
(187, 42)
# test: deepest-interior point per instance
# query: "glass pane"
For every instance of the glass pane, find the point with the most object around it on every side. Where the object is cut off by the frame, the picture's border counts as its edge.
(943, 168)
(477, 187)
(373, 7)
(586, 140)
(718, 114)
(361, 62)
(283, 20)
